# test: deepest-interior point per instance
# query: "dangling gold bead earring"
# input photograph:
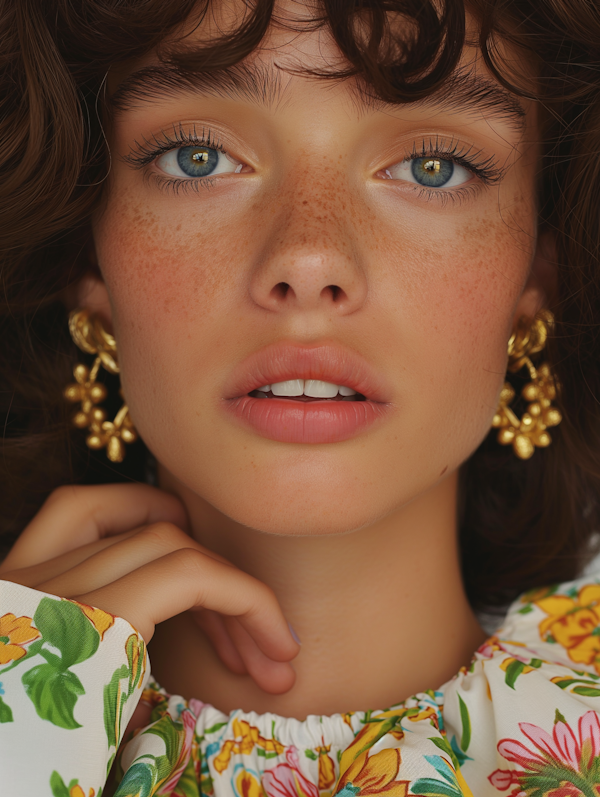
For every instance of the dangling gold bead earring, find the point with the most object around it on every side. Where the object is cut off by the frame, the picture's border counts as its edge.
(91, 337)
(530, 432)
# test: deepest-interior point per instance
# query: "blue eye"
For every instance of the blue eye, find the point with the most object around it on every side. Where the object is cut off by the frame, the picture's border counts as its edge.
(430, 172)
(196, 161)
(433, 172)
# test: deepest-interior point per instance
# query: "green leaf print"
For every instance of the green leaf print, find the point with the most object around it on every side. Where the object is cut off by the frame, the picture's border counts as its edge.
(583, 687)
(114, 700)
(187, 785)
(6, 714)
(64, 626)
(139, 781)
(115, 696)
(52, 687)
(586, 691)
(171, 732)
(465, 739)
(54, 694)
(514, 669)
(430, 787)
(57, 785)
(526, 609)
(458, 753)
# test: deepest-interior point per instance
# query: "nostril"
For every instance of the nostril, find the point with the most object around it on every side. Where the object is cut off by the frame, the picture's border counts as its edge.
(281, 290)
(336, 292)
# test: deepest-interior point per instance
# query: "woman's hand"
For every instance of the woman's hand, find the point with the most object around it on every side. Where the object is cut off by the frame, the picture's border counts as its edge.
(123, 548)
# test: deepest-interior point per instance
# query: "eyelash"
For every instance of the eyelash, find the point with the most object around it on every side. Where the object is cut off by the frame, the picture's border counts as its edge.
(143, 153)
(485, 169)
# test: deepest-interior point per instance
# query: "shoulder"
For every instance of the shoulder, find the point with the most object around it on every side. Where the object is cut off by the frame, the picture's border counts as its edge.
(560, 622)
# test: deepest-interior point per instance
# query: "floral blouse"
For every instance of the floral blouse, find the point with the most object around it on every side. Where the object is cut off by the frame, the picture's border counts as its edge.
(521, 720)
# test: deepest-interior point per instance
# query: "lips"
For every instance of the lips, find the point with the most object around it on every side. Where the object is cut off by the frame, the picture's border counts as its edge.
(307, 421)
(327, 363)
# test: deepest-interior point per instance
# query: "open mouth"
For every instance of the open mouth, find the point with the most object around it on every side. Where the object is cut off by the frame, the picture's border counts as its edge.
(307, 390)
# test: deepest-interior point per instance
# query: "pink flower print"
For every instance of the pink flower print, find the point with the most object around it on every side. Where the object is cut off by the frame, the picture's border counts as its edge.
(503, 779)
(286, 780)
(561, 764)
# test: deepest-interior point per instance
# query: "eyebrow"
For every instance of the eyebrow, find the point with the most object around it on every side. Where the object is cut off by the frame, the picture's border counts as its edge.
(259, 84)
(464, 91)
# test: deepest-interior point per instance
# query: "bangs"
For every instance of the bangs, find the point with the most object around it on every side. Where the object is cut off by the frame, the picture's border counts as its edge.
(396, 51)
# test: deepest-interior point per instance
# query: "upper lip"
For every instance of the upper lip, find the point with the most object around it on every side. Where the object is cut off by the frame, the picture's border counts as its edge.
(328, 362)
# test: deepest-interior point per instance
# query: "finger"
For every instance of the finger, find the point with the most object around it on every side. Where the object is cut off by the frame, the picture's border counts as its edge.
(188, 579)
(213, 626)
(74, 516)
(129, 553)
(44, 572)
(274, 677)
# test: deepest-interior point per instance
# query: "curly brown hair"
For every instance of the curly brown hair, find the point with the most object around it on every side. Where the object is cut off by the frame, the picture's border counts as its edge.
(523, 524)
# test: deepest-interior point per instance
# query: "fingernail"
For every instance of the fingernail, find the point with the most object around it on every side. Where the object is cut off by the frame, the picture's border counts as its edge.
(294, 634)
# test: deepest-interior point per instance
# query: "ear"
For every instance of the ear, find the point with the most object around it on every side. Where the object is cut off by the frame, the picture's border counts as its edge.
(541, 288)
(90, 293)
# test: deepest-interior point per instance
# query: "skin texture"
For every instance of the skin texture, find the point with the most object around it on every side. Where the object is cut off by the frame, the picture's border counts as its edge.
(356, 539)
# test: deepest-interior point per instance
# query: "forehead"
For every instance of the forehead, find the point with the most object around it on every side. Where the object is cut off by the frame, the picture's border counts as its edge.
(296, 51)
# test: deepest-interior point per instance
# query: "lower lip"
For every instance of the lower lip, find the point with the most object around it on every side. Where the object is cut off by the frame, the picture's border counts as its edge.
(290, 421)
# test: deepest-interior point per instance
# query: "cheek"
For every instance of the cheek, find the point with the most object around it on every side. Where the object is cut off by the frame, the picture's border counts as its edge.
(452, 306)
(170, 278)
(156, 263)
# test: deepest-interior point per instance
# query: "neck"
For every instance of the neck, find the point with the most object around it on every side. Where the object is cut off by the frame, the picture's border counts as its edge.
(373, 609)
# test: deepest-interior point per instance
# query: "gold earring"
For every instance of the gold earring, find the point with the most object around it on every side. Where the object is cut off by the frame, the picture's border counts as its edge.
(91, 337)
(530, 432)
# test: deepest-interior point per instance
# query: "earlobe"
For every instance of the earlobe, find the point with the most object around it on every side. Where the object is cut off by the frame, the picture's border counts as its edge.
(540, 290)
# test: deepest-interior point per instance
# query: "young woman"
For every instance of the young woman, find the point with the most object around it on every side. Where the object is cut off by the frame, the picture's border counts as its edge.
(305, 240)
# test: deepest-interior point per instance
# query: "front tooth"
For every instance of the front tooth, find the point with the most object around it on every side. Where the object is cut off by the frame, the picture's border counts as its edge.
(293, 387)
(347, 391)
(317, 389)
(264, 388)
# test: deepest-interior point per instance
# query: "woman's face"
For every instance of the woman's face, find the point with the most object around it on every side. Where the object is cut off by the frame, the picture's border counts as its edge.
(273, 228)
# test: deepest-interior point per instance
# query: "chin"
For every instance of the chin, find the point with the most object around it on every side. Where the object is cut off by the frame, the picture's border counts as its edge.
(313, 521)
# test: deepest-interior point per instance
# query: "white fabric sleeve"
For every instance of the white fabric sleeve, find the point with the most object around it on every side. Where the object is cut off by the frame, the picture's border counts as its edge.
(70, 679)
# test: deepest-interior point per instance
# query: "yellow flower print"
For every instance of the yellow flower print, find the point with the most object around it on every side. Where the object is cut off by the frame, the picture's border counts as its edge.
(347, 717)
(246, 738)
(572, 622)
(374, 774)
(100, 619)
(14, 633)
(373, 730)
(77, 791)
(326, 768)
(247, 785)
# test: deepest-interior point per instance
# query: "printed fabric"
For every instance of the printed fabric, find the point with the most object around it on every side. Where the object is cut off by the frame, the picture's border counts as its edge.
(522, 720)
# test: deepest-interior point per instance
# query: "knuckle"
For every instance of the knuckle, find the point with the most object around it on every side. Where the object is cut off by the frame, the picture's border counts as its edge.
(76, 493)
(64, 493)
(191, 562)
(164, 535)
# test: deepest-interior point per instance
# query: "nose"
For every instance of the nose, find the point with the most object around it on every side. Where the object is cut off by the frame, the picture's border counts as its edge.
(310, 259)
